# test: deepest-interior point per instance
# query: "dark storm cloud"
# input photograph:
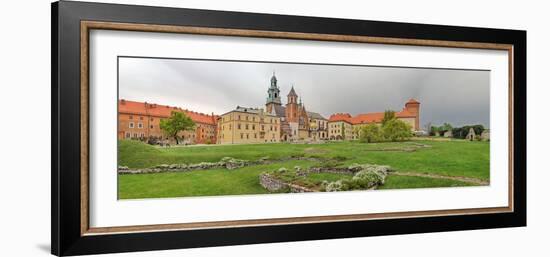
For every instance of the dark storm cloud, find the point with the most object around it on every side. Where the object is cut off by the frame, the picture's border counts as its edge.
(455, 96)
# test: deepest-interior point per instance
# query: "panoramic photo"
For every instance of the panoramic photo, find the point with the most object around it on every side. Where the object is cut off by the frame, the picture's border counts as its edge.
(191, 127)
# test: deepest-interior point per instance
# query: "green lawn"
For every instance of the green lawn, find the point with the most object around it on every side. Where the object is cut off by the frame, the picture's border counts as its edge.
(448, 158)
(401, 182)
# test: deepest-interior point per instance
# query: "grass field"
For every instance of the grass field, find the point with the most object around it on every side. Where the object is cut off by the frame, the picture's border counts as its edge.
(447, 158)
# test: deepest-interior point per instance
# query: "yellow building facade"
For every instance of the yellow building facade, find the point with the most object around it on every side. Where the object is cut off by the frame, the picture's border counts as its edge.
(247, 126)
(340, 130)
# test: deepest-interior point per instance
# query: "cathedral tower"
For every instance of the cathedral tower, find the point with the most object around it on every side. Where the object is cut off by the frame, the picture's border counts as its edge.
(292, 110)
(273, 95)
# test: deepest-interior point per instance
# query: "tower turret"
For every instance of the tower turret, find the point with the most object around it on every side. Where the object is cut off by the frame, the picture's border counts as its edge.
(273, 94)
(413, 107)
(292, 96)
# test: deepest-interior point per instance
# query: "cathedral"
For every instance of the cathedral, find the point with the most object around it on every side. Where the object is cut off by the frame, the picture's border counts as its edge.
(295, 121)
(292, 122)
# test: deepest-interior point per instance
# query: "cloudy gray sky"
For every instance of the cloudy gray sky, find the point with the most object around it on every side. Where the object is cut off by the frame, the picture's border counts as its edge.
(459, 97)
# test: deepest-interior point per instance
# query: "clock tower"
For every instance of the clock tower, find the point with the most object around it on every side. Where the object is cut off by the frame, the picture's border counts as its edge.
(273, 94)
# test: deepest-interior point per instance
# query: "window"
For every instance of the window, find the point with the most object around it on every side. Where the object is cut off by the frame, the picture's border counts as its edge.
(127, 134)
(135, 135)
(151, 126)
(263, 127)
(239, 126)
(239, 117)
(275, 128)
(152, 119)
(255, 136)
(131, 125)
(142, 135)
(229, 126)
(131, 117)
(242, 135)
(140, 118)
(246, 136)
(246, 118)
(140, 125)
(246, 126)
(271, 128)
(253, 127)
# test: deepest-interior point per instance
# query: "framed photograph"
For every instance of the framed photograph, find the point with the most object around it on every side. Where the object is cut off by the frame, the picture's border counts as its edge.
(178, 128)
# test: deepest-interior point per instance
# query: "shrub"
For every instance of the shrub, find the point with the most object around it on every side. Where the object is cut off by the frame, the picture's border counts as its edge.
(369, 176)
(396, 130)
(370, 133)
(334, 186)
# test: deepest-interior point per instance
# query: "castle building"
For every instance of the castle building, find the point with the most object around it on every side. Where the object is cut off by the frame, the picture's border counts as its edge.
(340, 127)
(410, 114)
(141, 120)
(318, 126)
(278, 123)
(248, 125)
(295, 123)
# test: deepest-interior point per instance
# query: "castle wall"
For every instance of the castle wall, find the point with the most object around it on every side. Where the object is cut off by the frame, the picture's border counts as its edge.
(246, 128)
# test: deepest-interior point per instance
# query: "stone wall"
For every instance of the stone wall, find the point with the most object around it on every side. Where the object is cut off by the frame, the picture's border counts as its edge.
(274, 185)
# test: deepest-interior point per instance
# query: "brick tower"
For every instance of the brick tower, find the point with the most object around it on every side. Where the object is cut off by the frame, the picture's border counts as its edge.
(292, 110)
(413, 107)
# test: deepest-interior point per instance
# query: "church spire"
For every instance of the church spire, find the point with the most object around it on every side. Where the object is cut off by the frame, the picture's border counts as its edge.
(273, 80)
(273, 92)
(292, 92)
(292, 97)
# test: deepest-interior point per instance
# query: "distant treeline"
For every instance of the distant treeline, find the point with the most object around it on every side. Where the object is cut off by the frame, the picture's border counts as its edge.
(459, 132)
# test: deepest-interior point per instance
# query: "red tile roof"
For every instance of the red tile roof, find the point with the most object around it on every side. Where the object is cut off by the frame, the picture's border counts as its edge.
(340, 117)
(368, 118)
(162, 111)
(413, 101)
(362, 118)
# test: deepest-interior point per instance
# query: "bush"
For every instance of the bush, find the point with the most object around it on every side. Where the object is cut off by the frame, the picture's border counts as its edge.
(396, 130)
(370, 133)
(334, 186)
(369, 177)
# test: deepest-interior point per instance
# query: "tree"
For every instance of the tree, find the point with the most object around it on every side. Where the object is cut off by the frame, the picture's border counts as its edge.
(371, 133)
(434, 130)
(177, 122)
(428, 127)
(464, 130)
(388, 115)
(446, 126)
(396, 130)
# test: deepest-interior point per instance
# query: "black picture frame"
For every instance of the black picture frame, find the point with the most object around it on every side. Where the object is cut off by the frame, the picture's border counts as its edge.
(66, 234)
